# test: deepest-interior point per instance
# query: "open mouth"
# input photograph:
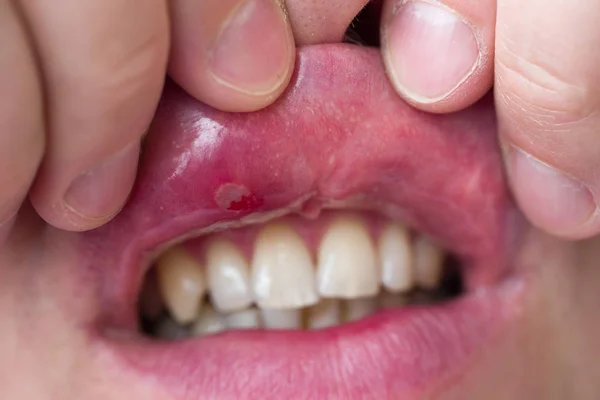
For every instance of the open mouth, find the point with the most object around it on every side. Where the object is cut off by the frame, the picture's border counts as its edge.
(338, 244)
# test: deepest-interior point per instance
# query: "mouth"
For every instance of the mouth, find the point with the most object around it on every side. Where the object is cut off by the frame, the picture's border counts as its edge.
(339, 243)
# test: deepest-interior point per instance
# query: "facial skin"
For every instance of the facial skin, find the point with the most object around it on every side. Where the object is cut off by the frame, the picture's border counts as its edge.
(49, 350)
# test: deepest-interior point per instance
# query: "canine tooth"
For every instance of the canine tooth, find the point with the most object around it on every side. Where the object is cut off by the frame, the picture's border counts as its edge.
(428, 263)
(228, 276)
(209, 321)
(282, 319)
(282, 270)
(182, 284)
(324, 314)
(392, 300)
(396, 258)
(360, 308)
(168, 329)
(244, 319)
(347, 263)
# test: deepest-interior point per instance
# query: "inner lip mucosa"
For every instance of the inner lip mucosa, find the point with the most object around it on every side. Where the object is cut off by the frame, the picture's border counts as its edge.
(340, 137)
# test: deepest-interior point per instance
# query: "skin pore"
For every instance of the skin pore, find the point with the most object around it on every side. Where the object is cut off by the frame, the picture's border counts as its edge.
(60, 291)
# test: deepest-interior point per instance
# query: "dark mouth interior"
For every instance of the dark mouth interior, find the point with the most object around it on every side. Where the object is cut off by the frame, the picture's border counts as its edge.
(364, 28)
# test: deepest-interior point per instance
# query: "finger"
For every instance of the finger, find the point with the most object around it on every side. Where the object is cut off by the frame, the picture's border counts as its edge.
(21, 121)
(104, 63)
(548, 101)
(236, 55)
(439, 53)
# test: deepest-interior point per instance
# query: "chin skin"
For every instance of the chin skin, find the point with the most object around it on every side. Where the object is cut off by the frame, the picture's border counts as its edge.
(549, 350)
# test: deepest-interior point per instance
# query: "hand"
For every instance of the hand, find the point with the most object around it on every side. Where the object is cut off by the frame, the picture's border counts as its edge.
(543, 58)
(80, 82)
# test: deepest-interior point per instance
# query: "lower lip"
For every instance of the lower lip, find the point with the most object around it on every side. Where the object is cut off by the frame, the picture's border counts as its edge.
(402, 353)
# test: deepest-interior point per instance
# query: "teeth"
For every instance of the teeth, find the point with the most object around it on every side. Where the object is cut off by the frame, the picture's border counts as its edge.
(428, 263)
(182, 284)
(282, 269)
(324, 314)
(391, 300)
(360, 308)
(396, 259)
(282, 319)
(208, 322)
(245, 319)
(347, 265)
(228, 276)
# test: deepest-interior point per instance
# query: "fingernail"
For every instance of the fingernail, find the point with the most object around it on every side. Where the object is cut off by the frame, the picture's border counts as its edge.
(430, 51)
(552, 200)
(253, 50)
(100, 192)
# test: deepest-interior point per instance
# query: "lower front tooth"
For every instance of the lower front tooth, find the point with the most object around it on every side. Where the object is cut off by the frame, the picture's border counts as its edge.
(392, 300)
(245, 319)
(208, 322)
(324, 314)
(282, 319)
(429, 260)
(181, 283)
(360, 308)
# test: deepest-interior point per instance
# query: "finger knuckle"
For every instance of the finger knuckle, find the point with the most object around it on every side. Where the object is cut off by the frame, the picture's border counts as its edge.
(549, 97)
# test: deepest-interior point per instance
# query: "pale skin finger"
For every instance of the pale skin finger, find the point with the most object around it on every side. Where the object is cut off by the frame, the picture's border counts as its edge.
(103, 64)
(235, 55)
(21, 115)
(548, 100)
(439, 53)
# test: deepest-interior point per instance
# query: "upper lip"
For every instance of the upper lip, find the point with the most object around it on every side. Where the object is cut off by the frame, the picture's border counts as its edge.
(339, 133)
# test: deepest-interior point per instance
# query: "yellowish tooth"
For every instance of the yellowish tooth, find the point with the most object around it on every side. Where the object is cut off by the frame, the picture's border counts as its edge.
(395, 256)
(170, 330)
(360, 308)
(429, 260)
(244, 319)
(282, 269)
(182, 284)
(208, 322)
(282, 319)
(324, 314)
(228, 276)
(347, 262)
(392, 300)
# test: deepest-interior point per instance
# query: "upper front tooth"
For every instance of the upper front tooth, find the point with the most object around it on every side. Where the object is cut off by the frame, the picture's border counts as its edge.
(428, 263)
(282, 269)
(228, 275)
(182, 284)
(396, 258)
(347, 265)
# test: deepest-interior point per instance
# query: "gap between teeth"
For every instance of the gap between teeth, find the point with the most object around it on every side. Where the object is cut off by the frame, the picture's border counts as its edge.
(284, 286)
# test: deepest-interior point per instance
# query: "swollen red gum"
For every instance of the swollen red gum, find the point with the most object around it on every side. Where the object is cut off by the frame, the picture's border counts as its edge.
(439, 174)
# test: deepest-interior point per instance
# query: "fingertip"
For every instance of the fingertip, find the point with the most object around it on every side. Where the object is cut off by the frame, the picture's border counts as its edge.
(244, 65)
(435, 57)
(552, 200)
(94, 197)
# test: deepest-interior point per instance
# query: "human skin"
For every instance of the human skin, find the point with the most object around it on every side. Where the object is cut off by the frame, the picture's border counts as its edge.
(546, 351)
(56, 288)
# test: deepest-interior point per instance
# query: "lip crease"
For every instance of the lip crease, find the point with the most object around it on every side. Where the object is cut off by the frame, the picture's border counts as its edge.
(339, 134)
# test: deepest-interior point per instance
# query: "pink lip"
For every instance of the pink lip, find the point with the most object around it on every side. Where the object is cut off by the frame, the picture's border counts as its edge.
(340, 132)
